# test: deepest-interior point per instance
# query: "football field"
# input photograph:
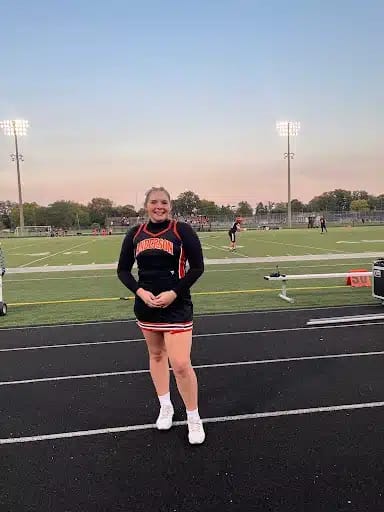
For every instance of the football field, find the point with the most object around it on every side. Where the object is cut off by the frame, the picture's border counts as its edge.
(73, 279)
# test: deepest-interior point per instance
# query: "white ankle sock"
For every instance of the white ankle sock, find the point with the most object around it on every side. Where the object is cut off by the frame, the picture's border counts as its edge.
(165, 399)
(193, 415)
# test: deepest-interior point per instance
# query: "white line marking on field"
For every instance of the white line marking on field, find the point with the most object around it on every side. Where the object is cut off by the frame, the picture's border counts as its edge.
(360, 241)
(196, 367)
(210, 335)
(226, 249)
(214, 261)
(302, 246)
(57, 253)
(31, 254)
(111, 275)
(95, 276)
(35, 244)
(217, 419)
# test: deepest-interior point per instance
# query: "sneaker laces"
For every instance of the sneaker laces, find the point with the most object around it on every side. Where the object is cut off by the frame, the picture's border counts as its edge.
(166, 411)
(195, 425)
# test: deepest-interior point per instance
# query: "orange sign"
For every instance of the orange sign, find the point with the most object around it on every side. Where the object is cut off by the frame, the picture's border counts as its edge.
(358, 281)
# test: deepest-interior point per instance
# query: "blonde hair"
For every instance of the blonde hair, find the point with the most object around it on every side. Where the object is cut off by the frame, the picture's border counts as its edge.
(156, 189)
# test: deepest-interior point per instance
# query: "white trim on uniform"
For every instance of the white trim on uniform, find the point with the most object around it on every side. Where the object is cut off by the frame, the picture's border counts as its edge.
(163, 327)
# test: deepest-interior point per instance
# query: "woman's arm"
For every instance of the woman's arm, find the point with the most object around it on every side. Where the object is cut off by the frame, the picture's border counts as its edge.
(194, 255)
(126, 261)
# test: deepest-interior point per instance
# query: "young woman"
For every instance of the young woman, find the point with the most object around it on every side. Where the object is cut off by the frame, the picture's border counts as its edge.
(163, 305)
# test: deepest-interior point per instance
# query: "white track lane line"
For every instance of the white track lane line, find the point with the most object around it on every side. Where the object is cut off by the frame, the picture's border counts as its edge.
(345, 319)
(209, 335)
(217, 419)
(208, 315)
(196, 367)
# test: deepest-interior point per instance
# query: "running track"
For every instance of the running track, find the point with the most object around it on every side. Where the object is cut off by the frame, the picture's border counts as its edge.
(294, 418)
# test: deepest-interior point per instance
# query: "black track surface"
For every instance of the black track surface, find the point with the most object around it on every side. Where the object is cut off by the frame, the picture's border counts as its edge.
(323, 461)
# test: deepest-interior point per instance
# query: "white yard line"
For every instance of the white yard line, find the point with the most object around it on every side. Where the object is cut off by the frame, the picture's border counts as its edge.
(247, 269)
(301, 246)
(218, 261)
(57, 253)
(227, 251)
(20, 246)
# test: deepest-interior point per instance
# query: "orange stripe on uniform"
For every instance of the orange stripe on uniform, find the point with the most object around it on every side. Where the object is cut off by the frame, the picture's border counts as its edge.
(174, 228)
(138, 231)
(182, 262)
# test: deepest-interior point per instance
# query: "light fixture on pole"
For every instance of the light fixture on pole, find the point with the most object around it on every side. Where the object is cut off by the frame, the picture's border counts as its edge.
(17, 128)
(288, 129)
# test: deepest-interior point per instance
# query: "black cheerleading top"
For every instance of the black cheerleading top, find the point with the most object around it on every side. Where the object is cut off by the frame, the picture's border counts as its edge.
(235, 227)
(162, 251)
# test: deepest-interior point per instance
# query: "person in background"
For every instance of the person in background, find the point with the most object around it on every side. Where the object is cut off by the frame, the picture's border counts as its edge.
(323, 225)
(232, 234)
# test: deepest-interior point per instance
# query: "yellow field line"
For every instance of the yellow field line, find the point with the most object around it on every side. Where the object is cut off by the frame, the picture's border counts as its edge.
(225, 292)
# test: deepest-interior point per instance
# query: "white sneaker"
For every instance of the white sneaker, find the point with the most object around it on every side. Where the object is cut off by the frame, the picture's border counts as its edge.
(196, 434)
(164, 421)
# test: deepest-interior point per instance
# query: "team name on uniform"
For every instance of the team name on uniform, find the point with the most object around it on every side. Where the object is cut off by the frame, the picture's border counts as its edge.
(155, 243)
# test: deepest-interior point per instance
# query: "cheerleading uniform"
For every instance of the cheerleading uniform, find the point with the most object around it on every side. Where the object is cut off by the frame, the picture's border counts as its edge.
(162, 251)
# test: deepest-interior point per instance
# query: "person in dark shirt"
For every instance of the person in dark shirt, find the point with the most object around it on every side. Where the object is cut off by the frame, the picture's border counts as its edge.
(232, 234)
(323, 225)
(163, 306)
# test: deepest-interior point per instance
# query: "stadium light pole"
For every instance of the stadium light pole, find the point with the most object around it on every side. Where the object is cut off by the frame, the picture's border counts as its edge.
(288, 129)
(17, 128)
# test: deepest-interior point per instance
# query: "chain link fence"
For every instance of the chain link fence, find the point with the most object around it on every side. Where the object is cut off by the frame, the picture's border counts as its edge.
(267, 221)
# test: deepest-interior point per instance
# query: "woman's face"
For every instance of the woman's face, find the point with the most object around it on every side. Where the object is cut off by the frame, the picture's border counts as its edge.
(158, 206)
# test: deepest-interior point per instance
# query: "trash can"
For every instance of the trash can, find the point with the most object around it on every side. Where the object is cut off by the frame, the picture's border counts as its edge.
(378, 279)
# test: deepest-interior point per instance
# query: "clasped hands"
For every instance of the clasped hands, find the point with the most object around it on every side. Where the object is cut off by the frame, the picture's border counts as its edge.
(162, 300)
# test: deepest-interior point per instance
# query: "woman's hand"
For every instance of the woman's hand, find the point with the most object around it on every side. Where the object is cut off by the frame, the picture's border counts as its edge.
(164, 299)
(147, 297)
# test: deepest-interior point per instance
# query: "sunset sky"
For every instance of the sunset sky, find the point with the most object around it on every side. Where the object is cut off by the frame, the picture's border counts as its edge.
(123, 95)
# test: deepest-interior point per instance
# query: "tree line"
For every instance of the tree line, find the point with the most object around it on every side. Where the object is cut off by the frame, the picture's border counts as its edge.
(69, 214)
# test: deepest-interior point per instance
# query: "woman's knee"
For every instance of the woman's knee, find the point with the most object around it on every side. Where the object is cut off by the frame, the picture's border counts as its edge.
(156, 347)
(157, 355)
(181, 367)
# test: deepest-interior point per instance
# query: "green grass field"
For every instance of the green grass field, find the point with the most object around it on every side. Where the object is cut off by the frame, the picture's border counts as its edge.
(75, 296)
(83, 250)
